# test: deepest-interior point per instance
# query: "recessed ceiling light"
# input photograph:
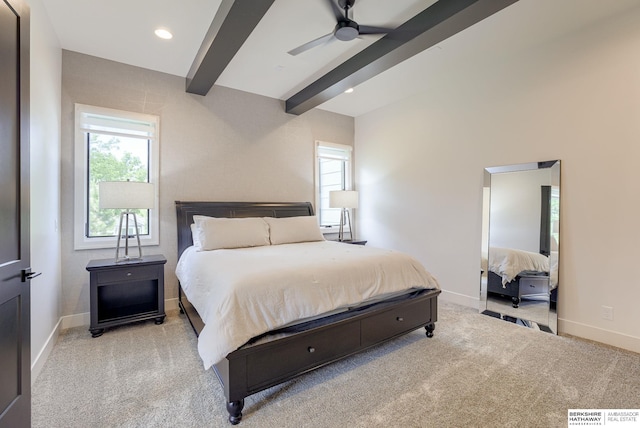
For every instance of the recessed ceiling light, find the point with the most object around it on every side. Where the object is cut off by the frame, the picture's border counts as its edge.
(348, 91)
(163, 33)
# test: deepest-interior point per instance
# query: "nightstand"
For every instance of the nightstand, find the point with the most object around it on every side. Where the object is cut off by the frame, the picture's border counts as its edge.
(354, 242)
(126, 292)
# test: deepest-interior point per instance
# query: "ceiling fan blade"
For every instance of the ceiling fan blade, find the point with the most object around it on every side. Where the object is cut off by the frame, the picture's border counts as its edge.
(312, 44)
(337, 11)
(367, 29)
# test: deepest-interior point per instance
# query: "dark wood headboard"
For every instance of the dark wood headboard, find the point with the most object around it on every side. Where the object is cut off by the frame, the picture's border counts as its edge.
(186, 210)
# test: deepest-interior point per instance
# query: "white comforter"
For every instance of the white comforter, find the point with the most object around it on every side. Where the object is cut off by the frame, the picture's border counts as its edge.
(508, 263)
(244, 292)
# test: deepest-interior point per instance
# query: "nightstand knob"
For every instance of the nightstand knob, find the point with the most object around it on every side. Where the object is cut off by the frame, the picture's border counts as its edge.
(311, 349)
(399, 319)
(128, 273)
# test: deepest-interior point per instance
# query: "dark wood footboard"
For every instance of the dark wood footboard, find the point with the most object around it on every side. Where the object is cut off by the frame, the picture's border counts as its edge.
(258, 367)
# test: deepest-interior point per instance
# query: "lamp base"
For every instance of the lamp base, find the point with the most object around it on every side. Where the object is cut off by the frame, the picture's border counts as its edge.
(126, 258)
(345, 218)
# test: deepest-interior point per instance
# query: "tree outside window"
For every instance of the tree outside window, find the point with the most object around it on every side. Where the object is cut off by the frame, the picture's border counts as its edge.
(114, 158)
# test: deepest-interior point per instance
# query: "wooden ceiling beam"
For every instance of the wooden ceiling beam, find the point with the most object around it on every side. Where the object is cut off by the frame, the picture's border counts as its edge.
(438, 22)
(231, 26)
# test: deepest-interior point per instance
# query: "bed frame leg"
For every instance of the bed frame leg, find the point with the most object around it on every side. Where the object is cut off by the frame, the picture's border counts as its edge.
(235, 411)
(515, 302)
(430, 328)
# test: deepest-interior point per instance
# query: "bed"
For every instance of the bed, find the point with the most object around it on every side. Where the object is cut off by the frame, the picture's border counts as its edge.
(517, 273)
(297, 340)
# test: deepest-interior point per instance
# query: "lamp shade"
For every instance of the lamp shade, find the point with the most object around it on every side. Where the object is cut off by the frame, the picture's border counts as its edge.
(126, 195)
(343, 199)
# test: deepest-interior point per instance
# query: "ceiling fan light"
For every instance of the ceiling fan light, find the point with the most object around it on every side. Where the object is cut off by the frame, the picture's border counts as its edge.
(346, 31)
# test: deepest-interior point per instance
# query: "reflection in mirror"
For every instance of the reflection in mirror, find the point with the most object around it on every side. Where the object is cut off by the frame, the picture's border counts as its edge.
(520, 243)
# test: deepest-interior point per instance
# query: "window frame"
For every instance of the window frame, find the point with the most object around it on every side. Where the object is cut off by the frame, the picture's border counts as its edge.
(80, 188)
(347, 180)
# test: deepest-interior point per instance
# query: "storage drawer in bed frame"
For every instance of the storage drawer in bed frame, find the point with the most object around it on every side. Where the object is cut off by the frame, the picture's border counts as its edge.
(301, 353)
(258, 367)
(521, 286)
(394, 322)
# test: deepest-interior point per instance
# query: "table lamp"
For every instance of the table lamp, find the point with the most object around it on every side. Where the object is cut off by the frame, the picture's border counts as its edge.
(126, 196)
(344, 199)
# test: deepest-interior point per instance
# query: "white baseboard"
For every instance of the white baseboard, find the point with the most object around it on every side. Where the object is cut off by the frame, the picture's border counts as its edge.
(460, 299)
(71, 321)
(584, 331)
(84, 319)
(171, 304)
(608, 337)
(43, 355)
(572, 328)
(76, 320)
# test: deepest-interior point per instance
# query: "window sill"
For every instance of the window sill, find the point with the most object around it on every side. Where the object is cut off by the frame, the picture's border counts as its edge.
(111, 244)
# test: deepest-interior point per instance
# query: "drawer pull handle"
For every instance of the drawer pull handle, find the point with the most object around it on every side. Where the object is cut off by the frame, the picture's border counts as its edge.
(311, 349)
(400, 319)
(128, 273)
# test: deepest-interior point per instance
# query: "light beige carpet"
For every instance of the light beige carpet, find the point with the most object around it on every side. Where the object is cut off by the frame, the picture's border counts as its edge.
(476, 371)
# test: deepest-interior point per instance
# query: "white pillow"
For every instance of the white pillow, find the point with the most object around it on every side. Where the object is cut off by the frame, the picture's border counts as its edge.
(216, 233)
(289, 230)
(195, 236)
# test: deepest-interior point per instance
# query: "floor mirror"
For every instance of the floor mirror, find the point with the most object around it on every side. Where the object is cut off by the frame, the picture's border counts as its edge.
(520, 244)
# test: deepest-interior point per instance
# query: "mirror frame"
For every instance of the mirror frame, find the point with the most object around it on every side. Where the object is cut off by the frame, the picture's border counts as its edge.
(554, 165)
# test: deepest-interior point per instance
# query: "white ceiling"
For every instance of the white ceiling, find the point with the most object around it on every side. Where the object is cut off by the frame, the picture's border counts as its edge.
(122, 30)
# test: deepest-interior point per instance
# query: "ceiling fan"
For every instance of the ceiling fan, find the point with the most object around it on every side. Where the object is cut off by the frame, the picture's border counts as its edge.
(345, 30)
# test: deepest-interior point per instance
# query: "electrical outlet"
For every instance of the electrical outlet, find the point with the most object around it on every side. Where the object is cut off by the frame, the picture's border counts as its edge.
(607, 313)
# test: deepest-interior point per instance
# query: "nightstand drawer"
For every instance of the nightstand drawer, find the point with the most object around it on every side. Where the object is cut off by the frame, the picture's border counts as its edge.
(128, 273)
(394, 322)
(300, 353)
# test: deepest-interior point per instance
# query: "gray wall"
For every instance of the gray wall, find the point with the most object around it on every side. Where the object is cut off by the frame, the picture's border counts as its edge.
(46, 291)
(515, 209)
(577, 98)
(229, 145)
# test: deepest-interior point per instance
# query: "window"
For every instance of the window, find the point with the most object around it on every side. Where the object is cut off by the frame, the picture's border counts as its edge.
(333, 172)
(112, 145)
